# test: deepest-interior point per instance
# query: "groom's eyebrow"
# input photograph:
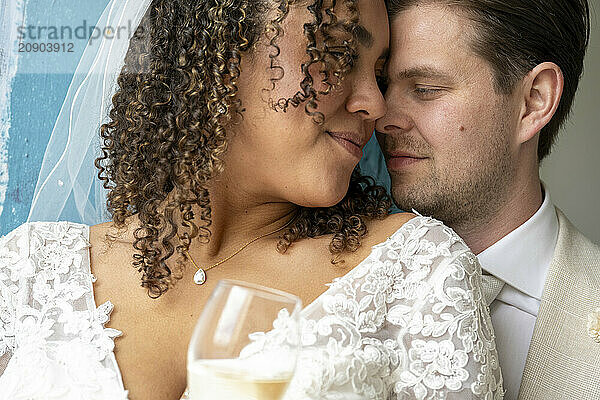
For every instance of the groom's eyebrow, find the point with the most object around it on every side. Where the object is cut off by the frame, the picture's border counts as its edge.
(363, 36)
(422, 72)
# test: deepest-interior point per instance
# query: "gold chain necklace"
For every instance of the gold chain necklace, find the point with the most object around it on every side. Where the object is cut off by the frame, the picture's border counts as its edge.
(200, 275)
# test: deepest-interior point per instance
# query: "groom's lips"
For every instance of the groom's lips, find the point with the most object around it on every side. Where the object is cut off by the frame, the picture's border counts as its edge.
(397, 160)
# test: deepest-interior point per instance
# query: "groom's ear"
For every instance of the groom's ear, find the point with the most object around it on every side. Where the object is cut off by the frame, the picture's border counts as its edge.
(541, 90)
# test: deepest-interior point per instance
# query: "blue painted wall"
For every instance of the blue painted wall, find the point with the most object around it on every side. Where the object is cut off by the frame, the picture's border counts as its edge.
(37, 92)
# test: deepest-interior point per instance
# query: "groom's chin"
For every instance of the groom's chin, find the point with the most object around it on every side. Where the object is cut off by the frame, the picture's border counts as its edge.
(419, 196)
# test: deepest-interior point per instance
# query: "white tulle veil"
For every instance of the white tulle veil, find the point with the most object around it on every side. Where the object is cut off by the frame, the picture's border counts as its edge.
(68, 187)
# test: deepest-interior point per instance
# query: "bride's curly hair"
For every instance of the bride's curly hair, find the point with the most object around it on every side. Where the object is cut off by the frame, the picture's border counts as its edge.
(176, 95)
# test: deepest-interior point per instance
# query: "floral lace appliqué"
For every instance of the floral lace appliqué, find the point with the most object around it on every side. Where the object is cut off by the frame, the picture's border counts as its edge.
(49, 326)
(409, 322)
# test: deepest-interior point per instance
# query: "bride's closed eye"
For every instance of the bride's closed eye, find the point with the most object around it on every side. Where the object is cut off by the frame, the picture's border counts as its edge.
(382, 82)
(380, 74)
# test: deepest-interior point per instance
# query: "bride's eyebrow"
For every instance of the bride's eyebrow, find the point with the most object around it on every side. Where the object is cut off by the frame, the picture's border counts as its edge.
(363, 36)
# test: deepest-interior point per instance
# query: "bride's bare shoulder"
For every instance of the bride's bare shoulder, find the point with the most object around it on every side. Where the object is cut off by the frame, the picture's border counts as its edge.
(111, 255)
(108, 232)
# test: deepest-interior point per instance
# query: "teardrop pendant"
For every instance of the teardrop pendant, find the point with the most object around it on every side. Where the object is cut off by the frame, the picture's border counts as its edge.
(200, 277)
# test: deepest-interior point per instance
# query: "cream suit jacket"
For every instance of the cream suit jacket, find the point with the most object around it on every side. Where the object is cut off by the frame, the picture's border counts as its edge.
(563, 361)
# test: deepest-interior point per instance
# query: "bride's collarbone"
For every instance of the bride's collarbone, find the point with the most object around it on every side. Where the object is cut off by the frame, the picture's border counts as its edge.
(304, 269)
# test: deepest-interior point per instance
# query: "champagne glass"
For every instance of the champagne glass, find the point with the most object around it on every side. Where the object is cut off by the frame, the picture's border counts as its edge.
(245, 344)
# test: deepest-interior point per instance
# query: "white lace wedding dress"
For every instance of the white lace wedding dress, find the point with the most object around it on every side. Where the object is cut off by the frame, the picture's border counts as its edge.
(409, 322)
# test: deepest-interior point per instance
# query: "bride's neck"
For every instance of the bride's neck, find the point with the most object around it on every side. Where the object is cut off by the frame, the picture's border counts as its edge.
(237, 218)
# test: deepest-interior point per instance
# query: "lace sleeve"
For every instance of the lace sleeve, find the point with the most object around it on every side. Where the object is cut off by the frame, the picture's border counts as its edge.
(50, 327)
(408, 323)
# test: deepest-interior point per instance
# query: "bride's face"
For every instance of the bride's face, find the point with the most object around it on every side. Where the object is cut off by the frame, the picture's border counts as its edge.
(286, 156)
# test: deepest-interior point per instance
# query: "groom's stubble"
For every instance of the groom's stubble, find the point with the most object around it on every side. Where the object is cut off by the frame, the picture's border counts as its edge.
(462, 194)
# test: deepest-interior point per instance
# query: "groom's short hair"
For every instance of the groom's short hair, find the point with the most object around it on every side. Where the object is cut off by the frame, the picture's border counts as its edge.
(516, 35)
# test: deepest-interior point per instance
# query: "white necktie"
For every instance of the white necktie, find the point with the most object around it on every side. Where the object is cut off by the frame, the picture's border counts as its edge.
(490, 286)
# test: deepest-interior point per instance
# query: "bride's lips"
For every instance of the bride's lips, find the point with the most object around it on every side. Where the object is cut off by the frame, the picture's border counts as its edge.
(400, 160)
(352, 142)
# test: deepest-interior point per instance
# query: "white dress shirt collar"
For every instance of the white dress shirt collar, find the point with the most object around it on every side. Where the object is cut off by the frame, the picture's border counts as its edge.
(522, 258)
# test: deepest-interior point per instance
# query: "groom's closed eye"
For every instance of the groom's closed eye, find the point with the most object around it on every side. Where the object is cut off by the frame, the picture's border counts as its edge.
(428, 92)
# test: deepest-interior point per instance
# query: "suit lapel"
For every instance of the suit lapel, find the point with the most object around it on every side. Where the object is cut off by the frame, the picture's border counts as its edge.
(563, 362)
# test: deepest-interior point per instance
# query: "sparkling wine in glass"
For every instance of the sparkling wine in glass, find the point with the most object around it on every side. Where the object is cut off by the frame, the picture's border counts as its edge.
(245, 344)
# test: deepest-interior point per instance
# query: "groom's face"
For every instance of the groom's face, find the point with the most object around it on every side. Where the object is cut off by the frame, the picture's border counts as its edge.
(448, 136)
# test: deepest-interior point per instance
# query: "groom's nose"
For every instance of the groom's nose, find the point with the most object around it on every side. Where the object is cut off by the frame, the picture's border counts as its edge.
(395, 120)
